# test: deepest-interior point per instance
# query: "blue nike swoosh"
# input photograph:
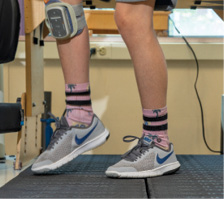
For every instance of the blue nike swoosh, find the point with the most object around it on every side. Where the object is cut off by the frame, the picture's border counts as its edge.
(162, 160)
(81, 140)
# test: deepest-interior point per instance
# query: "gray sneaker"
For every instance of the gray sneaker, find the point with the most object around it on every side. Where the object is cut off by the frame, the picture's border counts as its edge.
(69, 142)
(144, 160)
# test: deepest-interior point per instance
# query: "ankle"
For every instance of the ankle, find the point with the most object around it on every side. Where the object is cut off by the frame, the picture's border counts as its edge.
(155, 126)
(78, 109)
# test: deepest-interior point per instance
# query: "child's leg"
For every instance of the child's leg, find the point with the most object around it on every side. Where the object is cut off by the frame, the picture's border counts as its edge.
(81, 130)
(74, 55)
(153, 155)
(135, 23)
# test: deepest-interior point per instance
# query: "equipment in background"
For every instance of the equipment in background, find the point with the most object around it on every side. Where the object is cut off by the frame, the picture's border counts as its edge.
(48, 130)
(46, 121)
(222, 125)
(2, 136)
(64, 20)
(11, 117)
(165, 5)
(9, 29)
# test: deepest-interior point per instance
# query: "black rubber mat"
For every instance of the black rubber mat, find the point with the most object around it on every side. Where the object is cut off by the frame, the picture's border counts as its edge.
(82, 178)
(200, 176)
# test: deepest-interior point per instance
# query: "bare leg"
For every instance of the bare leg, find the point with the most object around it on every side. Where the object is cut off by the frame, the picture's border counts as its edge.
(135, 23)
(74, 55)
(67, 143)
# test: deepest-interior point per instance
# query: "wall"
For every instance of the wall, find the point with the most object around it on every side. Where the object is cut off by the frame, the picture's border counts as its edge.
(115, 96)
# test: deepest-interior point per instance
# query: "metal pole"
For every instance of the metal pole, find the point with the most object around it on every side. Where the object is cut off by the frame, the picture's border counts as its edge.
(2, 136)
(222, 124)
(1, 78)
(47, 108)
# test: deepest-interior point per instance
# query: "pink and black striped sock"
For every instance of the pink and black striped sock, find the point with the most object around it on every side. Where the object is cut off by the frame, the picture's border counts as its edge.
(155, 125)
(78, 104)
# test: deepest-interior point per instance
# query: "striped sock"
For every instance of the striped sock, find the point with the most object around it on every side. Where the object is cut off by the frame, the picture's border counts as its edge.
(155, 125)
(78, 104)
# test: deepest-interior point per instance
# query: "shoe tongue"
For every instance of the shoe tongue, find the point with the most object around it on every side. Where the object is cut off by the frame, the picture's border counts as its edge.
(64, 122)
(147, 140)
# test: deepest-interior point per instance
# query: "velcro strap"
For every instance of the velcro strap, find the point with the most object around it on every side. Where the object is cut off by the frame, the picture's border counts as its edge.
(77, 93)
(155, 128)
(78, 102)
(78, 8)
(80, 16)
(155, 119)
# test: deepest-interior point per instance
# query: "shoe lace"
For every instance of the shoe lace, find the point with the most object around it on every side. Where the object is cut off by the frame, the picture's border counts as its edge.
(136, 151)
(58, 133)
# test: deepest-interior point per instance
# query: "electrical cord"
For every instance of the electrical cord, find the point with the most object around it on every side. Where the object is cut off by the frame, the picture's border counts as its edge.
(196, 91)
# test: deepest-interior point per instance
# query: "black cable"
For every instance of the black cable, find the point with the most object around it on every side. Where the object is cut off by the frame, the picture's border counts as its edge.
(92, 51)
(195, 87)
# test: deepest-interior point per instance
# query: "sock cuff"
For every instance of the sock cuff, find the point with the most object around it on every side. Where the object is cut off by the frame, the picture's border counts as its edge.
(77, 87)
(85, 108)
(155, 112)
(77, 98)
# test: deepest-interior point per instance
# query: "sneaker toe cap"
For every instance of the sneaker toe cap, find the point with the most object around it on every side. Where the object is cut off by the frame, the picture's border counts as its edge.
(39, 165)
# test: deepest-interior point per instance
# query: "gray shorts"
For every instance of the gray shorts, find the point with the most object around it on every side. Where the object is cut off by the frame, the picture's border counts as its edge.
(130, 1)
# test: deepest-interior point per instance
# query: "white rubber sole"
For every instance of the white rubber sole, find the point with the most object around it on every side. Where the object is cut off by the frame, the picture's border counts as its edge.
(168, 168)
(91, 144)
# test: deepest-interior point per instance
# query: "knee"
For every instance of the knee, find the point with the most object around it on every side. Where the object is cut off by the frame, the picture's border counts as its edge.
(129, 22)
(123, 21)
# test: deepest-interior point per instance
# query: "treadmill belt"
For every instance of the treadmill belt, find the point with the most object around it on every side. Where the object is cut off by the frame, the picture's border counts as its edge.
(200, 176)
(82, 178)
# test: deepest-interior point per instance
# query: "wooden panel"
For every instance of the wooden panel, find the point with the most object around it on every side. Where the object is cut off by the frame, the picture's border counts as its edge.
(30, 142)
(28, 139)
(34, 14)
(160, 20)
(34, 77)
(220, 13)
(102, 21)
(19, 137)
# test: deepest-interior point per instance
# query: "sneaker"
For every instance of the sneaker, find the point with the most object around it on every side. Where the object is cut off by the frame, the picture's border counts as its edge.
(144, 160)
(69, 142)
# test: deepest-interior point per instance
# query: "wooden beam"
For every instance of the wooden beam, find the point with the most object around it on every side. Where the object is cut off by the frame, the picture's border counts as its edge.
(34, 77)
(18, 163)
(34, 14)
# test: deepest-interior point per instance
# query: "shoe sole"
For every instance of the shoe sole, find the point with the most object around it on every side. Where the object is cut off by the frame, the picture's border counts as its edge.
(163, 170)
(91, 144)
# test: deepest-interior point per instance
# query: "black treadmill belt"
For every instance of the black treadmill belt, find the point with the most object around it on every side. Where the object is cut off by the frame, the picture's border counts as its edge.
(200, 176)
(84, 177)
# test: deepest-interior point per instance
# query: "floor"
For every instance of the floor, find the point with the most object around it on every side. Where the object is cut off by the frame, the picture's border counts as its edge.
(7, 171)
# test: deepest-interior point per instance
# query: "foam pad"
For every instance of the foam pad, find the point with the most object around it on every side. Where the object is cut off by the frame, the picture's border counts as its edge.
(10, 117)
(9, 29)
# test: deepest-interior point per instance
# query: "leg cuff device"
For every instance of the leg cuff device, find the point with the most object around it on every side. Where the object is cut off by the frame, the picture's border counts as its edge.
(82, 93)
(155, 128)
(155, 119)
(78, 102)
(64, 20)
(11, 117)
